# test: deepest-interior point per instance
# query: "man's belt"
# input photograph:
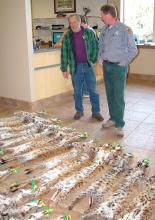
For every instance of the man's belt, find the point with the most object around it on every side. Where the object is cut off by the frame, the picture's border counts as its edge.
(108, 62)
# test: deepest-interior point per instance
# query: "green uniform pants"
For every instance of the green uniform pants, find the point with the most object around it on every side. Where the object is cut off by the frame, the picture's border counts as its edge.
(115, 80)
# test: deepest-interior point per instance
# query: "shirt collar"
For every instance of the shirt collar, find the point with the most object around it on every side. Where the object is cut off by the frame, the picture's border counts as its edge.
(116, 25)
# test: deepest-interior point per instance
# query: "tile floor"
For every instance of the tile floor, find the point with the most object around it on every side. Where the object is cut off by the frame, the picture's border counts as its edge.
(139, 117)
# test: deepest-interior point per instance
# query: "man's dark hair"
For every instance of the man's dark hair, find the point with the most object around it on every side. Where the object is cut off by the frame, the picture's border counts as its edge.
(109, 8)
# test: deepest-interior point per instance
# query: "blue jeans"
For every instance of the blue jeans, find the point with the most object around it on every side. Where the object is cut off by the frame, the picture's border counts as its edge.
(115, 80)
(87, 73)
(85, 90)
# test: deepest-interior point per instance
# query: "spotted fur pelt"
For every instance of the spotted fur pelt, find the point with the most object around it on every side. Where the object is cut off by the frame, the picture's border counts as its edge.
(67, 169)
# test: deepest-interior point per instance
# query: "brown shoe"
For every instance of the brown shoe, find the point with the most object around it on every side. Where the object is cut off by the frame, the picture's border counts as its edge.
(78, 115)
(98, 116)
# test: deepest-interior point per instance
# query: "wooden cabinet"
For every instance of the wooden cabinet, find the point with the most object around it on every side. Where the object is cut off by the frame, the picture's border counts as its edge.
(49, 80)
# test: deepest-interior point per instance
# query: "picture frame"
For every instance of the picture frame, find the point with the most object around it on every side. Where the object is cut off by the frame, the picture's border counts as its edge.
(64, 6)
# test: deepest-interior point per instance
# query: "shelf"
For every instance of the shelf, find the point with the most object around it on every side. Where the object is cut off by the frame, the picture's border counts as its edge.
(49, 18)
(46, 34)
(64, 18)
(93, 17)
(62, 29)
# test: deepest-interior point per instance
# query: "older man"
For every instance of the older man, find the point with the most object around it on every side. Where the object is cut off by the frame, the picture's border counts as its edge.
(80, 49)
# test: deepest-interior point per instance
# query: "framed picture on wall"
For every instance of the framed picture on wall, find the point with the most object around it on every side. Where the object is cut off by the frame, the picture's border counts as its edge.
(64, 6)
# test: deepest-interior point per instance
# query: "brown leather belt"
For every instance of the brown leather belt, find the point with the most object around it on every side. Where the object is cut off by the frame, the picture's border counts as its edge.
(108, 62)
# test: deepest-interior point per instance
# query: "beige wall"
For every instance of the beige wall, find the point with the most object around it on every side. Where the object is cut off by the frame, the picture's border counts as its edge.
(45, 9)
(144, 63)
(17, 79)
(117, 3)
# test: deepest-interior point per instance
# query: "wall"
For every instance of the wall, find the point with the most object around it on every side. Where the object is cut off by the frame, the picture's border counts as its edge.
(117, 3)
(16, 64)
(143, 66)
(45, 9)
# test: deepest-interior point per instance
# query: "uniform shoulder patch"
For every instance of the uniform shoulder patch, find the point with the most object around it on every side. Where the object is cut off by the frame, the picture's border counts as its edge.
(128, 30)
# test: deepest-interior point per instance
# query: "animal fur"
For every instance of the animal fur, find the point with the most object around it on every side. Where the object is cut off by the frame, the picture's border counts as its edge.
(62, 162)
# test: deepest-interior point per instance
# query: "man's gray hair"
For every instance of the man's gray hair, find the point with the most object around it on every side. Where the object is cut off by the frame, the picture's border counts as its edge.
(77, 16)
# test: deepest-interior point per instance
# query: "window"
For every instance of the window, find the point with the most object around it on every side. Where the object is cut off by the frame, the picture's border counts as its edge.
(139, 15)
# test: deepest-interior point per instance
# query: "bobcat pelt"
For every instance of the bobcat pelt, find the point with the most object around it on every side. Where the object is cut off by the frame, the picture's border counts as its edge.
(112, 203)
(77, 179)
(143, 206)
(103, 184)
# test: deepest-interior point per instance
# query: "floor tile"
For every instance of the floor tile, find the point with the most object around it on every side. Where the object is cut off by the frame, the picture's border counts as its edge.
(135, 116)
(140, 141)
(150, 119)
(145, 101)
(141, 108)
(146, 129)
(152, 164)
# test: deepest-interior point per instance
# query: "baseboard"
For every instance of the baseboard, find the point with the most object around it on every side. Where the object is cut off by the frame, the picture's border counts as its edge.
(34, 106)
(141, 76)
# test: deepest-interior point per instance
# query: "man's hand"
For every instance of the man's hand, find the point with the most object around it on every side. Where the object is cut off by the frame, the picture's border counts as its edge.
(100, 61)
(65, 74)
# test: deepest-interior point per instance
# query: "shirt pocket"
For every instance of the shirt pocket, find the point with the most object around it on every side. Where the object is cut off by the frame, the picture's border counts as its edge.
(104, 41)
(117, 41)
